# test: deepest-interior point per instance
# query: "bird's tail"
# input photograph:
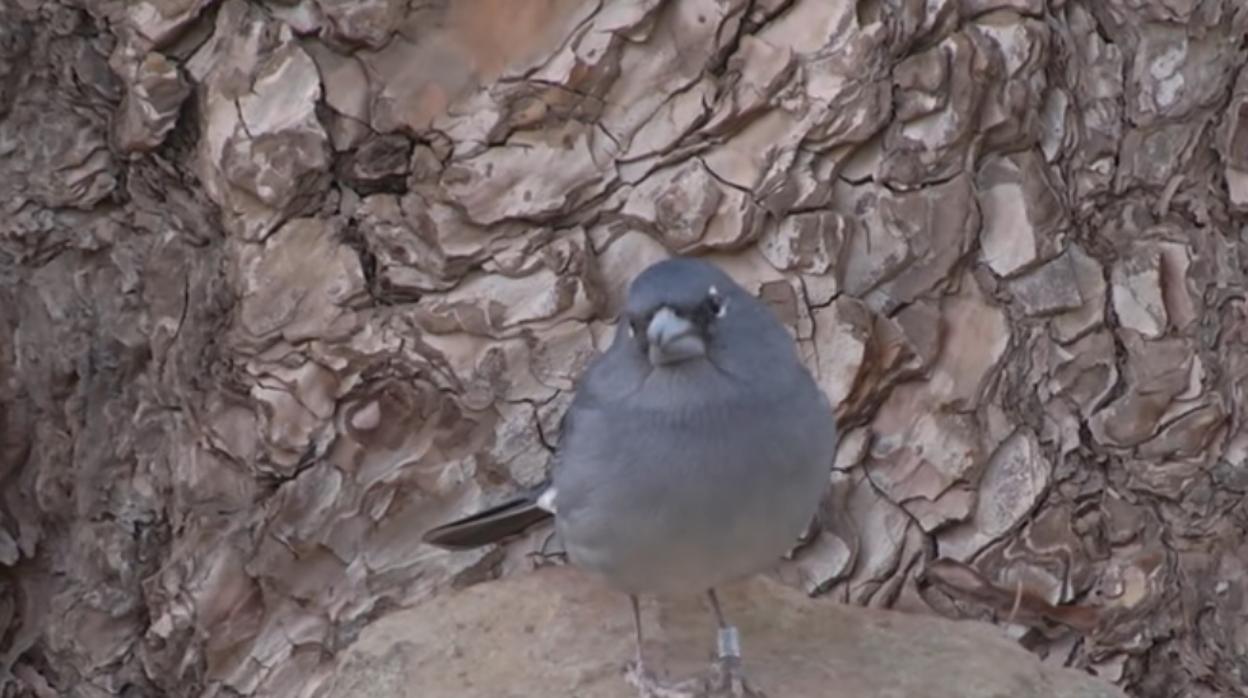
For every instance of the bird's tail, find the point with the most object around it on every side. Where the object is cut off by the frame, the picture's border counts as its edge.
(490, 526)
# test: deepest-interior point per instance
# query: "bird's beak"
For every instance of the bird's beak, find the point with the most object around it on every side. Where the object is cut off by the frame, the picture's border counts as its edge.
(673, 339)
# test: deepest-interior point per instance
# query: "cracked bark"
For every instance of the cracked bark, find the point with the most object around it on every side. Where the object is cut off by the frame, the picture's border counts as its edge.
(285, 283)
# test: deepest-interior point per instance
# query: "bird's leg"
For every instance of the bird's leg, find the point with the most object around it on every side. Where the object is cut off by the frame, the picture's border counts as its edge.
(541, 558)
(639, 664)
(728, 640)
(728, 672)
(647, 685)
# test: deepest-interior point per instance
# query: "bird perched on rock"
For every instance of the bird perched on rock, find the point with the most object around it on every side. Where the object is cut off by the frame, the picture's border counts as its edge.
(694, 453)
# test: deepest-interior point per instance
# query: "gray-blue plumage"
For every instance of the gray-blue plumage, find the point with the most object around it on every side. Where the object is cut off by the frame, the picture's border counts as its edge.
(679, 478)
(694, 453)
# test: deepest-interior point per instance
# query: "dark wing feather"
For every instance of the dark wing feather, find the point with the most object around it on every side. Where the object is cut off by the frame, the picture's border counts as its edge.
(490, 526)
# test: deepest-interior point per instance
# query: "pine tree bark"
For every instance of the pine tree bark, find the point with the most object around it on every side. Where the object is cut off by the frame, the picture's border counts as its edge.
(286, 282)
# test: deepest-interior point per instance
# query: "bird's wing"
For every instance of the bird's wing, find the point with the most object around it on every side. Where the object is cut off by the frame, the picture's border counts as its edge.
(510, 518)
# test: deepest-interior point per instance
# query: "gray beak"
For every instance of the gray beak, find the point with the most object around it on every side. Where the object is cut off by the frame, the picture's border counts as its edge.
(673, 339)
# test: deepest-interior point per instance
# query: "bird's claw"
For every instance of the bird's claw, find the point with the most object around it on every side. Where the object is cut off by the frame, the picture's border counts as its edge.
(649, 686)
(543, 558)
(728, 681)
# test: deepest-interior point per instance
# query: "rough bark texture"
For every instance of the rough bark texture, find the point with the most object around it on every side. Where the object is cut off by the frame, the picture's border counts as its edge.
(286, 282)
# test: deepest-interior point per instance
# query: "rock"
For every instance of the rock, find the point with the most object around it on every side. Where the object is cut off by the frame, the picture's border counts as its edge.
(558, 632)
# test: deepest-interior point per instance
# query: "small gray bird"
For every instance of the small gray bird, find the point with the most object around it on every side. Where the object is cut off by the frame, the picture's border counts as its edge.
(694, 453)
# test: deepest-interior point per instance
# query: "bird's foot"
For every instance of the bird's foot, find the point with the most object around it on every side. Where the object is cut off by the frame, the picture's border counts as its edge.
(728, 681)
(728, 678)
(547, 558)
(649, 686)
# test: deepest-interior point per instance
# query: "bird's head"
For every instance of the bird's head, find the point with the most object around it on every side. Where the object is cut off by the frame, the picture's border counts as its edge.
(683, 309)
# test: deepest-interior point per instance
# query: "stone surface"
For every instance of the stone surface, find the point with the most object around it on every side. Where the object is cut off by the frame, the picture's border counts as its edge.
(558, 632)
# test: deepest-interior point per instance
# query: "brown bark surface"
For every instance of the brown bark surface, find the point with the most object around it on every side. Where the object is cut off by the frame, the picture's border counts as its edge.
(283, 283)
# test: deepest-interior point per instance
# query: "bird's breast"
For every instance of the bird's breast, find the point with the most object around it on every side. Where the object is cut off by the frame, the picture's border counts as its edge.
(688, 496)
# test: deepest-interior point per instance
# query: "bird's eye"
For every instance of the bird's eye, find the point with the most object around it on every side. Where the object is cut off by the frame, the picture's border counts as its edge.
(637, 327)
(716, 304)
(711, 308)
